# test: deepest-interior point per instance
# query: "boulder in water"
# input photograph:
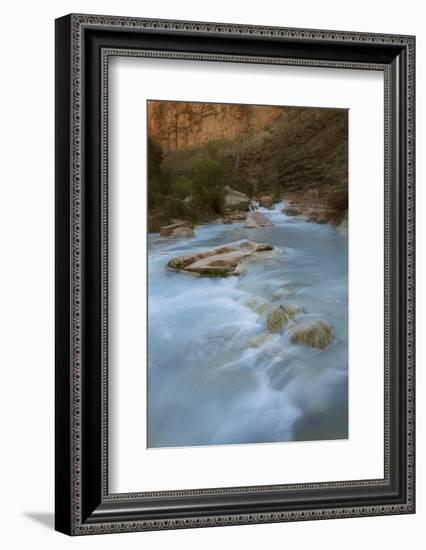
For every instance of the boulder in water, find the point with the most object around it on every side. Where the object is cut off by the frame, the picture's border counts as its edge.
(317, 334)
(183, 232)
(235, 200)
(279, 316)
(256, 220)
(169, 230)
(266, 201)
(220, 261)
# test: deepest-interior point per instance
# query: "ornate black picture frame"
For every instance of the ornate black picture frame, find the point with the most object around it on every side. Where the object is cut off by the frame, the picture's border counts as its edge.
(84, 44)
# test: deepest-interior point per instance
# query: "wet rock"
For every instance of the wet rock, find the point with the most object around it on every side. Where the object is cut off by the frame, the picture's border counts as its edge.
(321, 214)
(266, 201)
(316, 334)
(279, 316)
(293, 210)
(183, 232)
(221, 261)
(255, 303)
(234, 217)
(255, 220)
(237, 216)
(235, 200)
(168, 230)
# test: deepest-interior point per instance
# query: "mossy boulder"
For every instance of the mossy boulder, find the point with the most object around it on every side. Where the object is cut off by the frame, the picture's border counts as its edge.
(279, 317)
(316, 334)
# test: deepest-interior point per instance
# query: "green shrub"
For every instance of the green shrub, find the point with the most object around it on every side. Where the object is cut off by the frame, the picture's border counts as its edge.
(182, 187)
(215, 149)
(210, 175)
(175, 208)
(203, 187)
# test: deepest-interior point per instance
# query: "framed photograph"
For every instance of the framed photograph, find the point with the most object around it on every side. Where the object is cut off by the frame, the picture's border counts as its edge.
(234, 274)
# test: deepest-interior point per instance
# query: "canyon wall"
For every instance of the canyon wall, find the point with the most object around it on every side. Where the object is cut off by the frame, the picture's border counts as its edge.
(300, 149)
(180, 125)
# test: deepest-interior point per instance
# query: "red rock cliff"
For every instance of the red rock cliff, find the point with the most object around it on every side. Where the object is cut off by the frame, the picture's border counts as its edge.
(180, 125)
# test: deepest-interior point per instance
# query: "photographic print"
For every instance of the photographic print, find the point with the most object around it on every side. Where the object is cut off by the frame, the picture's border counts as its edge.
(247, 274)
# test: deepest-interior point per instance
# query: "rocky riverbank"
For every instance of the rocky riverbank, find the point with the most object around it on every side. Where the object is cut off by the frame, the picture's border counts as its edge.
(318, 205)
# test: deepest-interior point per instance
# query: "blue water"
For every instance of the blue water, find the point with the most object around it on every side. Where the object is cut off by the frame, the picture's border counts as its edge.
(207, 384)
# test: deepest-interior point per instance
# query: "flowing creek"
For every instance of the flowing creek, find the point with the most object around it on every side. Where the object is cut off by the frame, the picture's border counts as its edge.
(211, 380)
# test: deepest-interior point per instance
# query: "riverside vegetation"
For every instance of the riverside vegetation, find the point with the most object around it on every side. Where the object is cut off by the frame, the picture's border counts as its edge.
(196, 197)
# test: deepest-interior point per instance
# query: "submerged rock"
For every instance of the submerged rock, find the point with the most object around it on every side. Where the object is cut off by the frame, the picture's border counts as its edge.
(220, 261)
(266, 201)
(279, 316)
(235, 200)
(317, 334)
(257, 219)
(259, 307)
(255, 303)
(280, 294)
(260, 340)
(170, 230)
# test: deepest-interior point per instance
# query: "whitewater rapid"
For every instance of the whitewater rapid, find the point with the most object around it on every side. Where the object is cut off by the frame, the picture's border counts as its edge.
(211, 380)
